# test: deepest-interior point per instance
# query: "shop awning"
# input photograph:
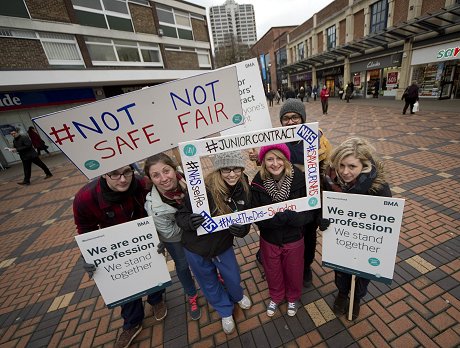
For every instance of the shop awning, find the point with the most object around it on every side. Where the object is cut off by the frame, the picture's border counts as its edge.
(438, 22)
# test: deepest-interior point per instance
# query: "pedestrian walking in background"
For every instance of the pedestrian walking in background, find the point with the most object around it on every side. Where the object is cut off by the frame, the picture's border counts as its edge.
(270, 97)
(162, 202)
(301, 94)
(281, 237)
(227, 190)
(290, 94)
(349, 91)
(410, 96)
(324, 95)
(37, 141)
(277, 96)
(23, 146)
(376, 88)
(115, 198)
(354, 169)
(315, 92)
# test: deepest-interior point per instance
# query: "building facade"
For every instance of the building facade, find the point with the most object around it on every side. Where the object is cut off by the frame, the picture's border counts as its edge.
(232, 21)
(56, 54)
(381, 46)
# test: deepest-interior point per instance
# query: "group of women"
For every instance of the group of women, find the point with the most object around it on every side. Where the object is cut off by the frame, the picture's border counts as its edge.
(352, 168)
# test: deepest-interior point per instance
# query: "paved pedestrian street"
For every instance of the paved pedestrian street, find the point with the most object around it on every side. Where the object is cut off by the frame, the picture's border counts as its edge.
(47, 300)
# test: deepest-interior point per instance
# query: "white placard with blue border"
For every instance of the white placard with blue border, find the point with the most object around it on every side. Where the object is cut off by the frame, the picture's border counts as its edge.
(363, 236)
(128, 265)
(191, 152)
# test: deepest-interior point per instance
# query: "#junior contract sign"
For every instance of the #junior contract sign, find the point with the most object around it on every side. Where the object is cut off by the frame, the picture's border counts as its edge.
(128, 265)
(363, 236)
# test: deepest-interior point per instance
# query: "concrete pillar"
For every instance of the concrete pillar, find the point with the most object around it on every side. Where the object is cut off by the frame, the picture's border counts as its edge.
(314, 80)
(346, 71)
(404, 79)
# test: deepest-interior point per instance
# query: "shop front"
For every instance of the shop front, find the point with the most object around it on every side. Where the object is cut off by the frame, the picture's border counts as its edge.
(332, 78)
(436, 70)
(377, 76)
(18, 108)
(301, 80)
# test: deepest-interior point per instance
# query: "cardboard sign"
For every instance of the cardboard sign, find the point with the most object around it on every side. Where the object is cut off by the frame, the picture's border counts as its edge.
(253, 100)
(192, 151)
(363, 236)
(110, 133)
(128, 265)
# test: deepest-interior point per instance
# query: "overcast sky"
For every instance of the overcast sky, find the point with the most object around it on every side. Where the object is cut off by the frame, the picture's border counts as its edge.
(275, 13)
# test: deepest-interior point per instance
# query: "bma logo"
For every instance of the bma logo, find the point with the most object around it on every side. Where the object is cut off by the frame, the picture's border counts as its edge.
(143, 223)
(448, 53)
(249, 65)
(393, 204)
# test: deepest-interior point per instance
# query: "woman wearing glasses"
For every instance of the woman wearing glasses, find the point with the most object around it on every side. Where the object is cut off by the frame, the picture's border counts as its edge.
(228, 191)
(167, 195)
(115, 198)
(282, 242)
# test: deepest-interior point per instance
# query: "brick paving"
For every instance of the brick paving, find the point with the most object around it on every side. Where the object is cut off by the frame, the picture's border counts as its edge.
(46, 300)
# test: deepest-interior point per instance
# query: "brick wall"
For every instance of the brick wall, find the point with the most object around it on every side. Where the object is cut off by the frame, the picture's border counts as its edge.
(400, 11)
(432, 6)
(19, 54)
(53, 10)
(200, 30)
(333, 8)
(301, 29)
(342, 32)
(320, 42)
(358, 25)
(181, 60)
(142, 17)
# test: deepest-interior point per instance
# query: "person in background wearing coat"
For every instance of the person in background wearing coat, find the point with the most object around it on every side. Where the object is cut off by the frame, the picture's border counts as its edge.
(162, 202)
(37, 141)
(23, 146)
(354, 169)
(315, 92)
(324, 95)
(301, 94)
(227, 190)
(410, 96)
(349, 91)
(112, 199)
(281, 237)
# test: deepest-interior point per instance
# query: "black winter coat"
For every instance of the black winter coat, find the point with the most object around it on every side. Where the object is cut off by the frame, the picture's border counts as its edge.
(271, 231)
(213, 244)
(23, 145)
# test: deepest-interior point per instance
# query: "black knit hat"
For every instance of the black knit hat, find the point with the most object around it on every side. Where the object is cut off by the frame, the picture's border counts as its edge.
(293, 105)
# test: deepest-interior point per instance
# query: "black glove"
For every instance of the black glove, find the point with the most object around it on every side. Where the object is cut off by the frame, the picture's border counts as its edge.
(323, 224)
(89, 268)
(195, 221)
(238, 230)
(161, 248)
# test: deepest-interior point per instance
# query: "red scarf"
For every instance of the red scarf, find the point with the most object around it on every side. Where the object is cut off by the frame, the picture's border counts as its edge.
(178, 193)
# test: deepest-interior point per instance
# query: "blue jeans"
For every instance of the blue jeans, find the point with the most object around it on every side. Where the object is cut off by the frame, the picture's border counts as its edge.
(205, 272)
(176, 250)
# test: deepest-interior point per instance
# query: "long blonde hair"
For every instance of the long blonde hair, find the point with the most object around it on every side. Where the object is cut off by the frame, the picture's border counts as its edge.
(220, 192)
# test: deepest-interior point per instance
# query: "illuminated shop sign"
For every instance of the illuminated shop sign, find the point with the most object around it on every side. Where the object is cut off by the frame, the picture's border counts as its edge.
(448, 53)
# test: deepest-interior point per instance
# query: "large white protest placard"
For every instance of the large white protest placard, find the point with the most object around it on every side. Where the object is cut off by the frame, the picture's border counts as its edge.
(110, 133)
(128, 265)
(363, 236)
(192, 151)
(253, 100)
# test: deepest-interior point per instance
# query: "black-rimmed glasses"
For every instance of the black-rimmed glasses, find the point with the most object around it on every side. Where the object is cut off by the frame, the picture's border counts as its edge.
(236, 170)
(117, 176)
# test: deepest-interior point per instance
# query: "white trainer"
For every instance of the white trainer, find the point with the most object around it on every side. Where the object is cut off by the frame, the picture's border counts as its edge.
(228, 325)
(245, 302)
(271, 308)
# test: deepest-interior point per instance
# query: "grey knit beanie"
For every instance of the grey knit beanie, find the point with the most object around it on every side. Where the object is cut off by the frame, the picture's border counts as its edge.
(228, 159)
(293, 105)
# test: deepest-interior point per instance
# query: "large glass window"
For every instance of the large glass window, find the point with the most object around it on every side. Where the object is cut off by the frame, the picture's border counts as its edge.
(109, 14)
(174, 23)
(379, 15)
(14, 8)
(300, 51)
(331, 37)
(204, 59)
(61, 49)
(122, 52)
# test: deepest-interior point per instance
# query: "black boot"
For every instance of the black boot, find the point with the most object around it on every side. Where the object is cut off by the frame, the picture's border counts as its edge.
(307, 277)
(341, 304)
(355, 309)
